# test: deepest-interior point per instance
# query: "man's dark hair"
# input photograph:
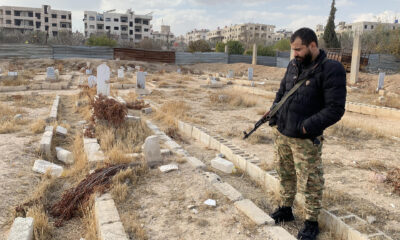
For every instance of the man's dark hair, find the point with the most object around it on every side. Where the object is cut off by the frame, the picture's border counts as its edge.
(306, 35)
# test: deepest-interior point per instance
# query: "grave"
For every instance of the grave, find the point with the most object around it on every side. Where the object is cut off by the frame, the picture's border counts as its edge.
(152, 153)
(92, 81)
(88, 72)
(230, 74)
(381, 79)
(50, 74)
(103, 80)
(141, 80)
(250, 73)
(120, 73)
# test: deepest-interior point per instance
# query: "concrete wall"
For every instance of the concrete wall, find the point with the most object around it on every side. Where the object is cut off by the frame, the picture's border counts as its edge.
(383, 62)
(193, 58)
(25, 51)
(62, 52)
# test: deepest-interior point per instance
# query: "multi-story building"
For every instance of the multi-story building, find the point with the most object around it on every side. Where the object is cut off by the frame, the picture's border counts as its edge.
(35, 19)
(362, 27)
(165, 35)
(195, 35)
(281, 34)
(243, 32)
(127, 26)
(320, 29)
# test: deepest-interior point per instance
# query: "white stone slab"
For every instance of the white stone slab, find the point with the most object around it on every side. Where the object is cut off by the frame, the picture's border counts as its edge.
(22, 229)
(196, 163)
(152, 151)
(168, 168)
(228, 191)
(64, 156)
(257, 215)
(140, 80)
(210, 202)
(222, 165)
(41, 166)
(103, 80)
(147, 110)
(92, 81)
(61, 131)
(121, 73)
(50, 73)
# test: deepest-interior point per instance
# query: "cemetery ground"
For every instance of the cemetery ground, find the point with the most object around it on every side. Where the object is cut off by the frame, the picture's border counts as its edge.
(360, 152)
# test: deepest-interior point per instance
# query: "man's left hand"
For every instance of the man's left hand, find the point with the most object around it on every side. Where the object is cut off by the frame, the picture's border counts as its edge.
(304, 131)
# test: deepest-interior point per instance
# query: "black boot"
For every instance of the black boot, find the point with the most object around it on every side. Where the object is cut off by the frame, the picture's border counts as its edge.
(283, 214)
(309, 231)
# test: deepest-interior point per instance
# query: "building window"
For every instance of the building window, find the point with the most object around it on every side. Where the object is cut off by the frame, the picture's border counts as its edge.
(124, 28)
(37, 15)
(46, 28)
(46, 19)
(69, 16)
(130, 32)
(138, 36)
(137, 20)
(91, 26)
(54, 24)
(8, 21)
(372, 26)
(365, 26)
(108, 19)
(146, 29)
(116, 28)
(30, 23)
(91, 18)
(116, 20)
(53, 16)
(124, 19)
(130, 24)
(146, 22)
(38, 24)
(55, 34)
(63, 16)
(100, 27)
(8, 12)
(108, 27)
(30, 14)
(63, 25)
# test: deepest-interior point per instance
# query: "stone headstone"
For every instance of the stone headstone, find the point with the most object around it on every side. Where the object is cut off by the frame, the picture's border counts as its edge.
(92, 81)
(103, 80)
(64, 156)
(179, 71)
(120, 73)
(12, 74)
(381, 79)
(152, 153)
(88, 71)
(42, 166)
(250, 73)
(230, 74)
(21, 229)
(141, 80)
(57, 73)
(223, 165)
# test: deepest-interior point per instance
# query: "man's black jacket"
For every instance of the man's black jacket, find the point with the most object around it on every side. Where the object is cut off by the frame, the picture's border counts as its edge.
(317, 104)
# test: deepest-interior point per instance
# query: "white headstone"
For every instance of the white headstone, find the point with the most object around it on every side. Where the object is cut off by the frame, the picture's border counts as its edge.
(120, 73)
(152, 153)
(250, 70)
(12, 74)
(88, 72)
(381, 79)
(179, 71)
(137, 68)
(57, 73)
(141, 80)
(230, 74)
(64, 156)
(92, 81)
(103, 80)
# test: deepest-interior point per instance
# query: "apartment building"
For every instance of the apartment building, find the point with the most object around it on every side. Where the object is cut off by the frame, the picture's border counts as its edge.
(35, 19)
(243, 32)
(195, 35)
(281, 34)
(319, 30)
(362, 27)
(165, 35)
(127, 26)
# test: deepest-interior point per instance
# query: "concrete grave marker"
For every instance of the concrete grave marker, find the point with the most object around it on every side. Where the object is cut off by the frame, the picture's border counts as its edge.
(92, 81)
(12, 74)
(168, 168)
(179, 71)
(152, 153)
(88, 71)
(120, 73)
(250, 73)
(230, 74)
(42, 166)
(141, 80)
(381, 79)
(103, 80)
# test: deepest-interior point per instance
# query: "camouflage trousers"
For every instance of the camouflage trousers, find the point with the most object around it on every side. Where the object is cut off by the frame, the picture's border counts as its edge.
(299, 166)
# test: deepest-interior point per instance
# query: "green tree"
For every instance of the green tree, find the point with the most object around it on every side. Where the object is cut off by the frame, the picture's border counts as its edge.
(235, 47)
(262, 51)
(102, 40)
(330, 38)
(282, 45)
(220, 47)
(199, 46)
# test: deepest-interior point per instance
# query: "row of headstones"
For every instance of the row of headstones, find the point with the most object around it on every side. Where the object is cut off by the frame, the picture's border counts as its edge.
(103, 80)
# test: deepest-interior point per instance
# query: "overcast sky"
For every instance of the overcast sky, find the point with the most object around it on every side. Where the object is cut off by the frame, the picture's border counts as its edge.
(185, 15)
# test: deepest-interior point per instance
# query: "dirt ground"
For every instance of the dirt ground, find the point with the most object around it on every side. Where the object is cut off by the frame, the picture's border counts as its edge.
(354, 157)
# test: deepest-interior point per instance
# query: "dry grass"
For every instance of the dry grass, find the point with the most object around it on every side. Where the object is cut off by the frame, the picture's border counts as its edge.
(42, 229)
(33, 102)
(14, 81)
(234, 98)
(7, 122)
(119, 192)
(80, 166)
(389, 101)
(89, 220)
(134, 227)
(38, 126)
(259, 137)
(172, 110)
(163, 84)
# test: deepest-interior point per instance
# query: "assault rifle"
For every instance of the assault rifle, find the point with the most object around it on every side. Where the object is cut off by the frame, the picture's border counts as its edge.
(258, 124)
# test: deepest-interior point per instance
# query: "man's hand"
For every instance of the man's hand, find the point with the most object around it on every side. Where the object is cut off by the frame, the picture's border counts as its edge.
(304, 131)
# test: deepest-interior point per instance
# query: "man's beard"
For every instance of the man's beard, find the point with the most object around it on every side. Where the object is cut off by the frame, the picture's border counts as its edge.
(306, 60)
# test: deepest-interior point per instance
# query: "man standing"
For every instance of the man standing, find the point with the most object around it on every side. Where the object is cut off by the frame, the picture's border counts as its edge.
(298, 126)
